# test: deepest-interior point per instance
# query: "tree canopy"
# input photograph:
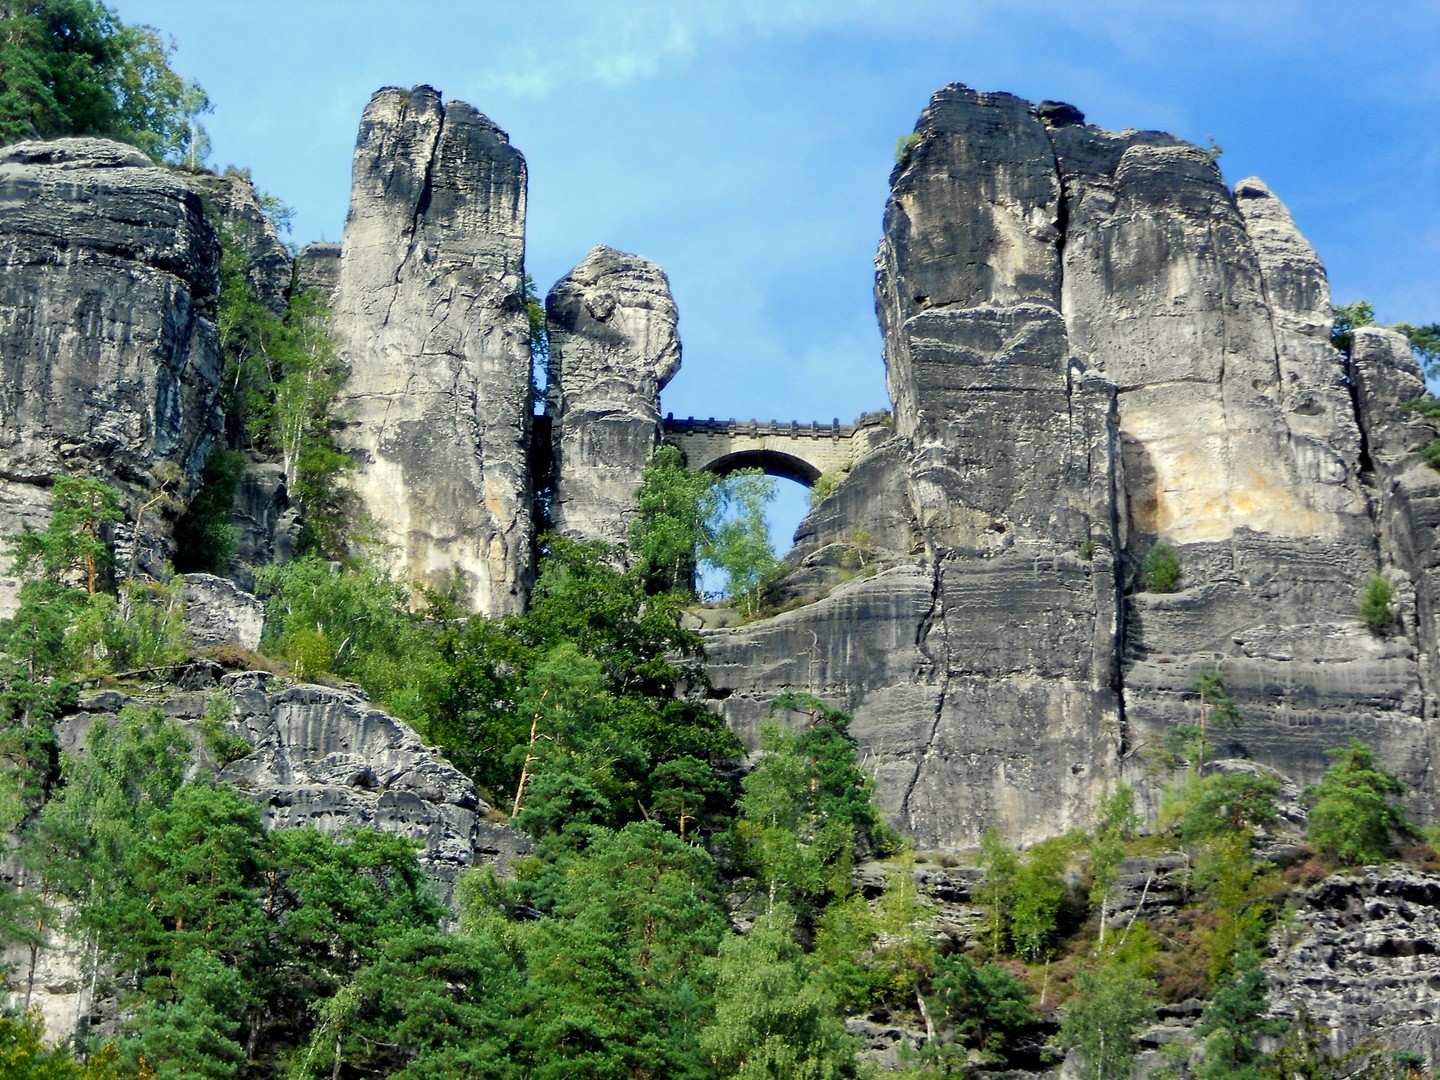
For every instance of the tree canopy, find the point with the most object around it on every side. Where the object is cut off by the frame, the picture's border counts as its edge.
(71, 67)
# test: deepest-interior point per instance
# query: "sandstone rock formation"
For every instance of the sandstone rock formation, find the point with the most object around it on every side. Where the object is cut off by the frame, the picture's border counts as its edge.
(321, 757)
(111, 366)
(319, 268)
(268, 265)
(613, 347)
(429, 317)
(1360, 957)
(1092, 346)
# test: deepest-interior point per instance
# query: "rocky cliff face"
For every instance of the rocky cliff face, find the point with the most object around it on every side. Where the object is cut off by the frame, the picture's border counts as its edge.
(429, 317)
(1092, 346)
(109, 363)
(613, 347)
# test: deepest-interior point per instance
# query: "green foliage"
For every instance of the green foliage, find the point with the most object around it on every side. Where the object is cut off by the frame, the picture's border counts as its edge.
(905, 145)
(205, 540)
(1107, 850)
(539, 337)
(72, 549)
(1161, 570)
(997, 893)
(1425, 344)
(669, 527)
(1349, 318)
(984, 1003)
(1039, 897)
(822, 487)
(1228, 802)
(736, 541)
(281, 374)
(24, 1055)
(806, 807)
(1113, 999)
(70, 67)
(1352, 817)
(1375, 603)
(1235, 1021)
(774, 1019)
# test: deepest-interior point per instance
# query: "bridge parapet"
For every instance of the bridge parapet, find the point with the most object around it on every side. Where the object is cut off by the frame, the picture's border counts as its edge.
(794, 449)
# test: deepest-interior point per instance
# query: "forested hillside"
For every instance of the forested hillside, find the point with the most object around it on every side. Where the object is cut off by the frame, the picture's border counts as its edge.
(490, 803)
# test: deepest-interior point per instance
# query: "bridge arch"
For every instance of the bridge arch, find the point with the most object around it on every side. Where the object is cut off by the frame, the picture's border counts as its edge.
(770, 462)
(795, 451)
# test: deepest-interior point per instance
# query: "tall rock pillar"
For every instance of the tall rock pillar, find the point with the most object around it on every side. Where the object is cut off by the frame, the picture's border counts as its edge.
(430, 319)
(613, 347)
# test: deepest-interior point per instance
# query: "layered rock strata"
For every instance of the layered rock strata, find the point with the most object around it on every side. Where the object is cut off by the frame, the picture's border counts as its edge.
(429, 317)
(109, 361)
(234, 204)
(1358, 958)
(613, 347)
(1093, 346)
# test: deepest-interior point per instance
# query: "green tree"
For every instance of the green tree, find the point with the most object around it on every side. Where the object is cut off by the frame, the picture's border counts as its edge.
(997, 893)
(1375, 604)
(70, 67)
(1112, 1000)
(985, 1005)
(774, 1018)
(1107, 850)
(24, 1055)
(1347, 319)
(737, 542)
(1352, 817)
(1040, 893)
(1235, 1022)
(669, 527)
(1161, 569)
(72, 548)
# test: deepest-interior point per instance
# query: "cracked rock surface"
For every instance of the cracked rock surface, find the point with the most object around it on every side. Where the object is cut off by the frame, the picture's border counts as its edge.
(429, 317)
(111, 364)
(1092, 345)
(613, 347)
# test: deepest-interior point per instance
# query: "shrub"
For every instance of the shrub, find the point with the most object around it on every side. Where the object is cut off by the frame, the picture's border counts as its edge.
(1161, 570)
(1352, 817)
(1375, 603)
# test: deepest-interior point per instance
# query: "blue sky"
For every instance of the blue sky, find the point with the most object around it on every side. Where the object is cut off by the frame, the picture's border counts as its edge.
(745, 145)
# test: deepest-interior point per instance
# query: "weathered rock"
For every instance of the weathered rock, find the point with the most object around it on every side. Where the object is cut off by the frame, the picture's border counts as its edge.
(268, 265)
(319, 268)
(219, 613)
(1360, 956)
(430, 319)
(327, 758)
(111, 362)
(613, 347)
(267, 528)
(321, 757)
(984, 691)
(1092, 346)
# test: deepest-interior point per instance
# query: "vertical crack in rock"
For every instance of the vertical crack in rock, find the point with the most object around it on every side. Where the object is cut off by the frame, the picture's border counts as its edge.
(437, 406)
(933, 614)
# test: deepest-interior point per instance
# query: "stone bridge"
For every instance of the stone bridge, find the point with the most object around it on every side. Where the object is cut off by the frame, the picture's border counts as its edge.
(796, 451)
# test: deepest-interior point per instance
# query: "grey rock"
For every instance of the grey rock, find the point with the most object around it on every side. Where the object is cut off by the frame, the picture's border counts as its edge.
(1361, 957)
(217, 612)
(613, 347)
(1092, 345)
(112, 362)
(430, 319)
(319, 268)
(269, 267)
(267, 528)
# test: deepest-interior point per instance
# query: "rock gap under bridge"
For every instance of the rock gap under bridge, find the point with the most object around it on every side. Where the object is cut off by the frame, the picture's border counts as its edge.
(797, 451)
